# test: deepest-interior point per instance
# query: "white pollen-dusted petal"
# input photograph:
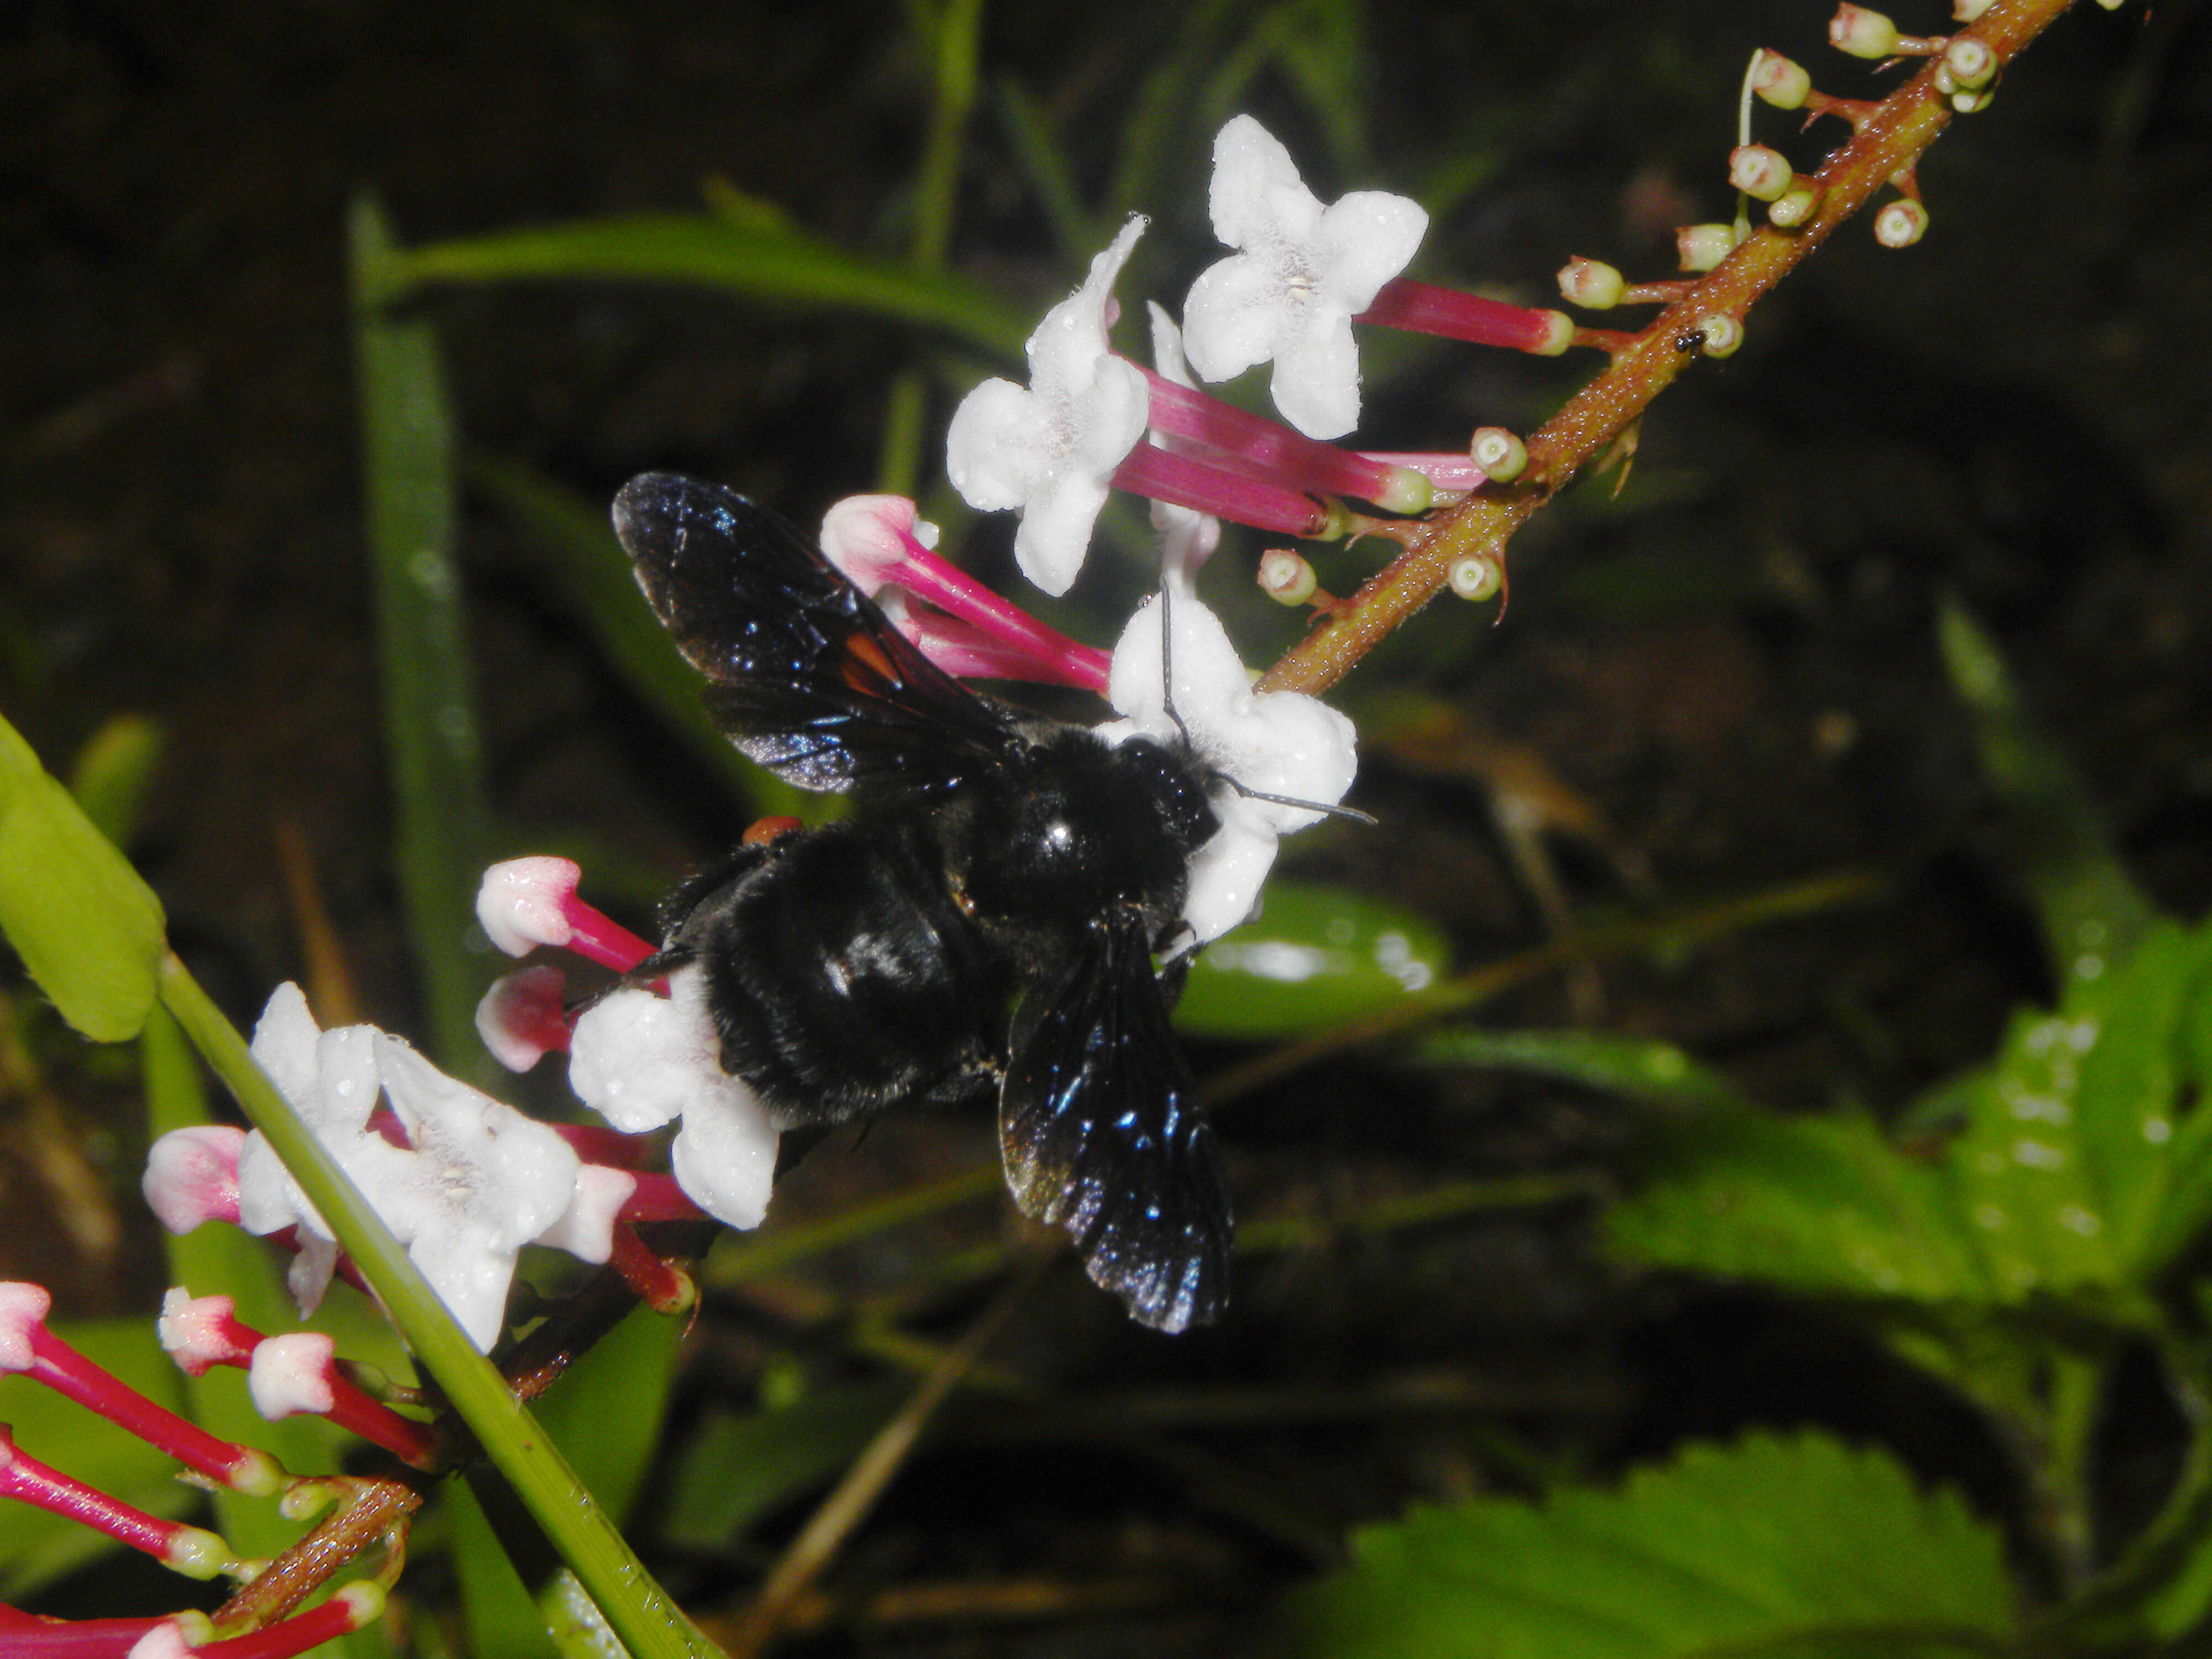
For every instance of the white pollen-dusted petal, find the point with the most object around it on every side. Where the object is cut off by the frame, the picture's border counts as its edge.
(1049, 449)
(586, 1228)
(290, 1376)
(725, 1157)
(192, 1176)
(639, 1059)
(1281, 743)
(23, 1309)
(522, 903)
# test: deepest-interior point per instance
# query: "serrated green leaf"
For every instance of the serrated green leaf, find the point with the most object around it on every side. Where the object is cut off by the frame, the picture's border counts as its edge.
(1789, 1544)
(89, 931)
(1625, 1065)
(755, 259)
(36, 1548)
(1821, 1204)
(1314, 956)
(738, 1469)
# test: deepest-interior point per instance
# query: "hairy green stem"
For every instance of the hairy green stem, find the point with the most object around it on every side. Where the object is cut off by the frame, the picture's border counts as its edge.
(1890, 141)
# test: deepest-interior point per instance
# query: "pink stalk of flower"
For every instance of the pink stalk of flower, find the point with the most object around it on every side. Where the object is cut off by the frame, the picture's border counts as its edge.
(659, 1198)
(1186, 481)
(876, 541)
(527, 902)
(194, 1551)
(1425, 308)
(27, 1346)
(660, 1284)
(288, 1375)
(1450, 469)
(1292, 457)
(25, 1637)
(357, 1605)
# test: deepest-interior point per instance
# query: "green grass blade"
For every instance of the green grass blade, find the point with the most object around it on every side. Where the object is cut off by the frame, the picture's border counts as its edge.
(755, 262)
(2092, 913)
(430, 718)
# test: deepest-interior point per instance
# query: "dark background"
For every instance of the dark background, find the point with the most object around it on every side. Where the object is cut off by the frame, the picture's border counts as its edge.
(1728, 670)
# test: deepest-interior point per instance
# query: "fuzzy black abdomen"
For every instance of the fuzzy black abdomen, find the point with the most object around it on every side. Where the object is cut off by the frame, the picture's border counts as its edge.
(844, 980)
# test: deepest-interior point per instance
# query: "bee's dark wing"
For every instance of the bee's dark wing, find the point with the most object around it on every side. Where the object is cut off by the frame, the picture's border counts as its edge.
(805, 673)
(1102, 1135)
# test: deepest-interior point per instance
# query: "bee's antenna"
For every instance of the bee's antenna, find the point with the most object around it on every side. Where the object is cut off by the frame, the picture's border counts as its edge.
(1167, 657)
(1328, 808)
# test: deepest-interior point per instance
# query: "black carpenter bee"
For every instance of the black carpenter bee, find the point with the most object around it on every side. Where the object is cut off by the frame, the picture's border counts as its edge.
(985, 921)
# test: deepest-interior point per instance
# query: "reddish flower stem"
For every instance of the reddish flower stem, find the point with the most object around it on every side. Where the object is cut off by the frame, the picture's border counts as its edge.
(1151, 471)
(1425, 308)
(66, 1372)
(1272, 451)
(1890, 139)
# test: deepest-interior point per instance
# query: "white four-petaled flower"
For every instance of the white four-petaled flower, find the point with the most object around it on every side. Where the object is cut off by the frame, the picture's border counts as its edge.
(1277, 742)
(1302, 272)
(477, 1182)
(1048, 449)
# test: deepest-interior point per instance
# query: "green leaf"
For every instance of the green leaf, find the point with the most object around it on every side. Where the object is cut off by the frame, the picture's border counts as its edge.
(113, 771)
(36, 1548)
(1791, 1544)
(607, 1412)
(2092, 913)
(429, 714)
(89, 930)
(1821, 1204)
(756, 259)
(1314, 956)
(737, 1469)
(1658, 1072)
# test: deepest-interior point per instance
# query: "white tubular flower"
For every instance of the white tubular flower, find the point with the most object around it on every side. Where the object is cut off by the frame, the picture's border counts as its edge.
(1303, 272)
(1279, 743)
(1049, 450)
(640, 1060)
(1187, 537)
(477, 1180)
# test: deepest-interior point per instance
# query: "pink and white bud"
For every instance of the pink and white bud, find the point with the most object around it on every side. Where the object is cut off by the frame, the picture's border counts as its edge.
(522, 1018)
(290, 1376)
(202, 1332)
(23, 1310)
(1591, 284)
(1501, 456)
(192, 1176)
(867, 537)
(1700, 248)
(1760, 173)
(1779, 80)
(1286, 576)
(1900, 224)
(524, 902)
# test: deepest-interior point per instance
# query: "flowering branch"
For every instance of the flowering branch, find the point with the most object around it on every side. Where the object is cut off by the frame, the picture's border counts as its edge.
(1891, 136)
